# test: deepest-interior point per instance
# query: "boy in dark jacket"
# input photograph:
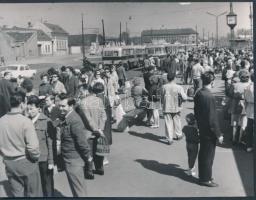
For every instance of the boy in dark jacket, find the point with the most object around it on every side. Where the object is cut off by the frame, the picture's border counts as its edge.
(192, 142)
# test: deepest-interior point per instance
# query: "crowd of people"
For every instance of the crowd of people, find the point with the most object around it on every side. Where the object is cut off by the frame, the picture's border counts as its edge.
(66, 123)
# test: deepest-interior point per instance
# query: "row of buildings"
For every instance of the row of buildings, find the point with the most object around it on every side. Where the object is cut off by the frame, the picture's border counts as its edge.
(42, 39)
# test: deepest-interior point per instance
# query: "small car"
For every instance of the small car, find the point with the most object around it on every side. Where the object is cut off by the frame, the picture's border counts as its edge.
(19, 70)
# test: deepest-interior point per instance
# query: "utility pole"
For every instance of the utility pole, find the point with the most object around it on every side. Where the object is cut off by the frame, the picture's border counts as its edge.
(203, 35)
(120, 33)
(104, 41)
(208, 38)
(83, 51)
(217, 24)
(251, 23)
(196, 37)
(212, 39)
(126, 30)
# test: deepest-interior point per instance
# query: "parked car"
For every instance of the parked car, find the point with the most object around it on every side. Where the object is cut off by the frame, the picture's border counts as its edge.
(19, 69)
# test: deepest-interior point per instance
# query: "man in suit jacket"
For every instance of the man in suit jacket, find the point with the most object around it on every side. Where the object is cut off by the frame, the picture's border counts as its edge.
(71, 83)
(74, 147)
(209, 132)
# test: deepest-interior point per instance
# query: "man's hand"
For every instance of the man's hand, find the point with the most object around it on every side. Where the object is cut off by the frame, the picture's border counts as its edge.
(101, 132)
(50, 166)
(220, 139)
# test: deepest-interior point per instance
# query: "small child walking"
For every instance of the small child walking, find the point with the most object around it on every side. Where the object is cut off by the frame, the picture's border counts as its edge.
(192, 142)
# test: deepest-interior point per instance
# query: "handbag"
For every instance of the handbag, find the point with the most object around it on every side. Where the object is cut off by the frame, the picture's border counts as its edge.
(102, 148)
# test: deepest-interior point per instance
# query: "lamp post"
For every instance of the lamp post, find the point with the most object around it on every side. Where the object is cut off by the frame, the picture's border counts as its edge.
(231, 22)
(217, 24)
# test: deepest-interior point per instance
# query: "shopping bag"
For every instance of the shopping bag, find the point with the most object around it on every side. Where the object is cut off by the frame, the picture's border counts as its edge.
(102, 148)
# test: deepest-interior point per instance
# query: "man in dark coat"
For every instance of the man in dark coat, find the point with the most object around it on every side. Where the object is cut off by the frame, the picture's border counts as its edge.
(71, 83)
(209, 132)
(121, 74)
(74, 146)
(6, 90)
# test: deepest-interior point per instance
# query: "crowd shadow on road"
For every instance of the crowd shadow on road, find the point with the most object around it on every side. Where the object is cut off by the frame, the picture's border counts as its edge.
(167, 169)
(5, 185)
(148, 136)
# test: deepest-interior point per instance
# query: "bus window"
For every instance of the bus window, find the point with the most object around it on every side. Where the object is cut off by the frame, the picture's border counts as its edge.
(111, 53)
(151, 51)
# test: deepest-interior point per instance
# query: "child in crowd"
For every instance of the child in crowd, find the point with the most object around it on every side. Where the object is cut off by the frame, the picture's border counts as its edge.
(192, 142)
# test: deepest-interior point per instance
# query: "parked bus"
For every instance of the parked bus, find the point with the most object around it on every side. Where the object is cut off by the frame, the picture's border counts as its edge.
(175, 48)
(129, 55)
(156, 51)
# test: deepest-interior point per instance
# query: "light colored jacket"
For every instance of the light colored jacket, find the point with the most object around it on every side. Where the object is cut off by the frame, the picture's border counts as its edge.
(110, 90)
(249, 101)
(197, 71)
(170, 93)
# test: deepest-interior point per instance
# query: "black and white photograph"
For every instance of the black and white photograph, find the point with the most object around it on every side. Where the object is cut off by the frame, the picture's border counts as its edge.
(127, 99)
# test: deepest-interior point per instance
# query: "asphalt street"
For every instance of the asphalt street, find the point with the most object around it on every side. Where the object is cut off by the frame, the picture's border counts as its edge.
(142, 165)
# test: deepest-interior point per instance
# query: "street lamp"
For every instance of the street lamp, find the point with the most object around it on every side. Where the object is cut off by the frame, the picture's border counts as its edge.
(231, 22)
(217, 24)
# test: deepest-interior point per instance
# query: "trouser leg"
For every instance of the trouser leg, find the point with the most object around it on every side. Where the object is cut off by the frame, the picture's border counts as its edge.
(156, 116)
(205, 159)
(168, 126)
(177, 125)
(46, 179)
(75, 175)
(98, 160)
(249, 137)
(34, 186)
(24, 178)
(192, 149)
(16, 184)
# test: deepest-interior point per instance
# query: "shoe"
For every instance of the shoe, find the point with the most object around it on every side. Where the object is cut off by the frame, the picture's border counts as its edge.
(99, 172)
(191, 172)
(154, 126)
(178, 137)
(209, 184)
(89, 176)
(249, 149)
(169, 142)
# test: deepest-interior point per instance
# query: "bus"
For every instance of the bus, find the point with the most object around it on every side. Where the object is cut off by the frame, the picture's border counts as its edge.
(176, 48)
(130, 55)
(156, 51)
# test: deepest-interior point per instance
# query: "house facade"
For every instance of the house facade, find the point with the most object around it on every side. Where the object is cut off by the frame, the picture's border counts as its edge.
(17, 43)
(59, 37)
(44, 44)
(183, 36)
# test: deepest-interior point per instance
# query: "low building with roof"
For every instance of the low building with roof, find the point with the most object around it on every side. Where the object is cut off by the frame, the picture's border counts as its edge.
(58, 36)
(183, 35)
(18, 43)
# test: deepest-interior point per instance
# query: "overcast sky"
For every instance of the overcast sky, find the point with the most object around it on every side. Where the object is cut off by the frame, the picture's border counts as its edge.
(143, 16)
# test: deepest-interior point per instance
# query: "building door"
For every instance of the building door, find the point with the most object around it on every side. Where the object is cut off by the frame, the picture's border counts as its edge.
(39, 46)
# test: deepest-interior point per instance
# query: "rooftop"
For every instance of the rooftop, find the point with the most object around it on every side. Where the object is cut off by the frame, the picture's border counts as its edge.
(20, 37)
(56, 28)
(182, 31)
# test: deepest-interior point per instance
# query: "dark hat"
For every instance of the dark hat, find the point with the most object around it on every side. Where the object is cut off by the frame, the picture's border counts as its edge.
(190, 118)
